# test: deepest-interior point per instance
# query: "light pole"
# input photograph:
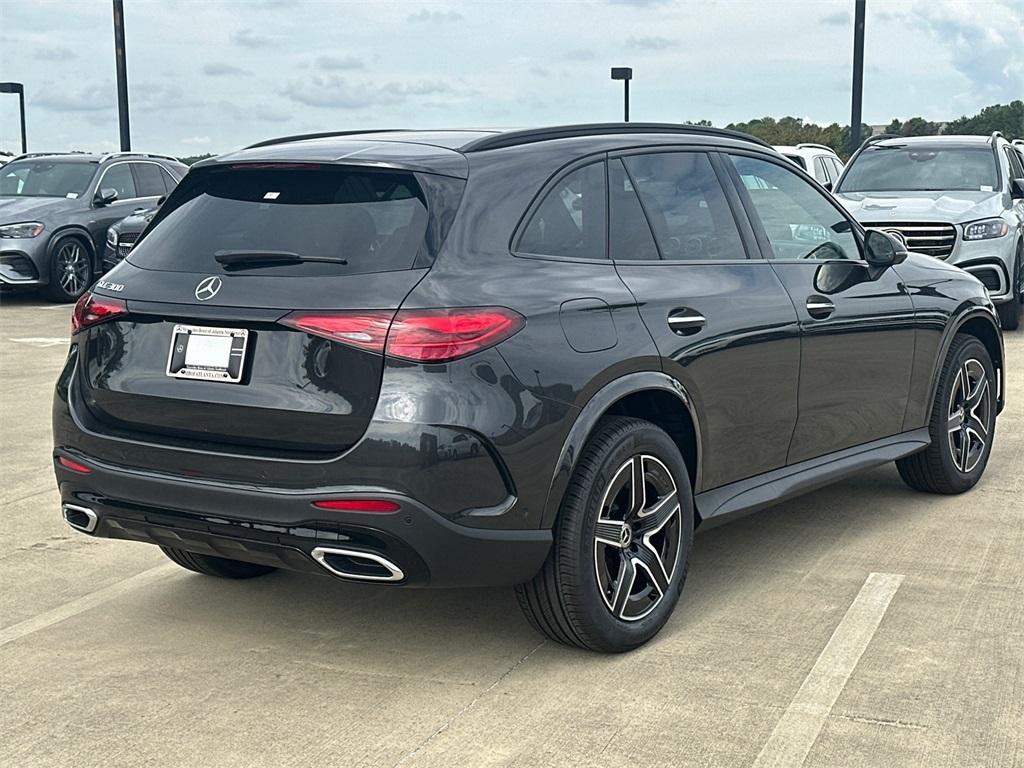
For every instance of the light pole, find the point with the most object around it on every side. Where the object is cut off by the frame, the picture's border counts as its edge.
(122, 76)
(625, 74)
(19, 89)
(858, 74)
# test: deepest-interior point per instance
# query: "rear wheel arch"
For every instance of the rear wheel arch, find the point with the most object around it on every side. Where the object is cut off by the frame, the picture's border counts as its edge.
(649, 395)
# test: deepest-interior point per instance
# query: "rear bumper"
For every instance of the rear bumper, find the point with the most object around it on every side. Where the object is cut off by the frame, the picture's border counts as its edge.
(283, 529)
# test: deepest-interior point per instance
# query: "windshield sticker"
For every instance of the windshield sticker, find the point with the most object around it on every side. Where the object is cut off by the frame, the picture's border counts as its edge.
(72, 195)
(986, 187)
(271, 195)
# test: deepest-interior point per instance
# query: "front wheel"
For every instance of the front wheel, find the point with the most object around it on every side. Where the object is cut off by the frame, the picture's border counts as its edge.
(70, 270)
(622, 542)
(962, 424)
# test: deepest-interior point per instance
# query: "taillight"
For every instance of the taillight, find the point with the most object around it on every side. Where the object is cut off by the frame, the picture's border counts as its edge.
(91, 309)
(365, 330)
(419, 335)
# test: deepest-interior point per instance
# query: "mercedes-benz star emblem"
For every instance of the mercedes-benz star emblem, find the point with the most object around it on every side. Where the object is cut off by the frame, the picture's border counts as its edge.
(208, 288)
(898, 235)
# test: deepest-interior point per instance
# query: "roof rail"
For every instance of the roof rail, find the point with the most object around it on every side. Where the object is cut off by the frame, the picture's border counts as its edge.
(996, 135)
(322, 135)
(1018, 142)
(529, 136)
(811, 145)
(107, 155)
(880, 137)
(26, 155)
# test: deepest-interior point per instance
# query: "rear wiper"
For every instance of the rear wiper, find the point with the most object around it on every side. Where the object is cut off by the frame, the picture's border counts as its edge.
(251, 258)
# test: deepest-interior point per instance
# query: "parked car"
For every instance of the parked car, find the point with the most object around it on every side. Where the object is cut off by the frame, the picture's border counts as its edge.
(537, 358)
(5, 158)
(122, 235)
(55, 210)
(820, 161)
(959, 199)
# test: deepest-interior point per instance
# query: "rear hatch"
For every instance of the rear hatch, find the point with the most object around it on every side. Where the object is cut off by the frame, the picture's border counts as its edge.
(217, 333)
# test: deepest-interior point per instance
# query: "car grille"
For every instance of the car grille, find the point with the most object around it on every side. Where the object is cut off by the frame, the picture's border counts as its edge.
(125, 243)
(922, 237)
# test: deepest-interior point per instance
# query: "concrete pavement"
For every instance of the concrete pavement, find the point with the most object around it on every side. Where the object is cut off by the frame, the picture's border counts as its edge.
(115, 657)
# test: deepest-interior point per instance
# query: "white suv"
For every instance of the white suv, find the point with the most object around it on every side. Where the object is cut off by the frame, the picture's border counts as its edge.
(817, 159)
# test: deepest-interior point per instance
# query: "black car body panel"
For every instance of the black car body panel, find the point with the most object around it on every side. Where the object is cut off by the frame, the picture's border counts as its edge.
(476, 452)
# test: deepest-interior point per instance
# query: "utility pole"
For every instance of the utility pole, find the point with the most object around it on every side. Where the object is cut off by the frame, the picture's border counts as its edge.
(625, 74)
(122, 76)
(858, 74)
(19, 89)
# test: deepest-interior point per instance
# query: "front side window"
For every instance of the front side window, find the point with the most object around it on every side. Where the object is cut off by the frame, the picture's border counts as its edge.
(119, 177)
(570, 221)
(45, 178)
(1016, 168)
(685, 206)
(799, 221)
(920, 168)
(820, 171)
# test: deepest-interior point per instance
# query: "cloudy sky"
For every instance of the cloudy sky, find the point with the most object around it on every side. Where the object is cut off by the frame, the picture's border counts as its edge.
(210, 75)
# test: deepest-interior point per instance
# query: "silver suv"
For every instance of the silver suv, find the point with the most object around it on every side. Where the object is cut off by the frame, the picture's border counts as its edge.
(956, 198)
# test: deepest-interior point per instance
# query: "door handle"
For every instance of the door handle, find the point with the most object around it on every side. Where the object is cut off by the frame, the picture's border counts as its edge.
(686, 322)
(819, 307)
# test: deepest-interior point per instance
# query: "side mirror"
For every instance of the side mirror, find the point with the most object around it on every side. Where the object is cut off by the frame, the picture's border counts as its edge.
(1017, 189)
(827, 185)
(105, 196)
(883, 250)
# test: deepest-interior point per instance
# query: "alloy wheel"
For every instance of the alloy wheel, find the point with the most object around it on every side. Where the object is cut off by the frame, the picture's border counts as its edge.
(637, 538)
(72, 268)
(969, 415)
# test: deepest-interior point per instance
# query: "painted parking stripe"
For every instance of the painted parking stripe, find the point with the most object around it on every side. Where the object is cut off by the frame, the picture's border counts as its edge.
(796, 732)
(43, 341)
(85, 603)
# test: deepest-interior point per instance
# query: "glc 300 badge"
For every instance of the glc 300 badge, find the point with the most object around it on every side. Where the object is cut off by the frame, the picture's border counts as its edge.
(208, 288)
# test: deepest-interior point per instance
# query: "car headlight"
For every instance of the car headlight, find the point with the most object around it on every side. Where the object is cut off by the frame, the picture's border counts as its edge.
(112, 238)
(986, 229)
(25, 229)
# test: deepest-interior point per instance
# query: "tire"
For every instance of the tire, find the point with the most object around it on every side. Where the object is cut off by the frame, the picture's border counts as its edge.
(575, 599)
(1011, 311)
(71, 269)
(216, 566)
(950, 465)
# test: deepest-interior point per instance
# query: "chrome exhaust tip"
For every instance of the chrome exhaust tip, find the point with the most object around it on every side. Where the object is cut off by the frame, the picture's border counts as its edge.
(80, 518)
(354, 564)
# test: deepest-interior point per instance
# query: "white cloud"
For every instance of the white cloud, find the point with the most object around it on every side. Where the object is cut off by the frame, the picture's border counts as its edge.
(196, 141)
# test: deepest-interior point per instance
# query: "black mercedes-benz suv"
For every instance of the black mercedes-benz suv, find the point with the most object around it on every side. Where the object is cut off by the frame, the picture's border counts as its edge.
(536, 358)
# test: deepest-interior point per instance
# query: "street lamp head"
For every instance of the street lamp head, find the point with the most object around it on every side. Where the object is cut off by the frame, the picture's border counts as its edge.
(622, 73)
(12, 88)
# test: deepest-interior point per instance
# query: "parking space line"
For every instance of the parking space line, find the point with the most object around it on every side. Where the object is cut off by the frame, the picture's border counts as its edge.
(84, 603)
(798, 729)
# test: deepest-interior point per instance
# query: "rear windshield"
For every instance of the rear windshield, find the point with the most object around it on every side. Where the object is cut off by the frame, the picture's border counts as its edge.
(45, 178)
(922, 169)
(348, 221)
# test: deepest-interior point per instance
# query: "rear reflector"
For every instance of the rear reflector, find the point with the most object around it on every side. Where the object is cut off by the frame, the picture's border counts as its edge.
(91, 310)
(358, 505)
(419, 335)
(73, 465)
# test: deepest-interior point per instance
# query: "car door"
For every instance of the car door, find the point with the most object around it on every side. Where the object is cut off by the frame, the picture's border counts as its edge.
(723, 323)
(119, 177)
(856, 321)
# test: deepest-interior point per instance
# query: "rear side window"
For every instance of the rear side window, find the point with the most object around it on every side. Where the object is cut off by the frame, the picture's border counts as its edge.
(359, 220)
(148, 180)
(685, 206)
(169, 181)
(629, 235)
(570, 221)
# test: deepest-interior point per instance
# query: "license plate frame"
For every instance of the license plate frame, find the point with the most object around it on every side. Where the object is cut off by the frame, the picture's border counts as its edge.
(207, 353)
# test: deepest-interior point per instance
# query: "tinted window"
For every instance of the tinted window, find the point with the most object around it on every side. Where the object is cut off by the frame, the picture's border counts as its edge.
(629, 234)
(837, 168)
(922, 168)
(119, 177)
(374, 221)
(571, 219)
(798, 160)
(685, 206)
(1016, 168)
(150, 183)
(44, 178)
(169, 181)
(799, 221)
(820, 172)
